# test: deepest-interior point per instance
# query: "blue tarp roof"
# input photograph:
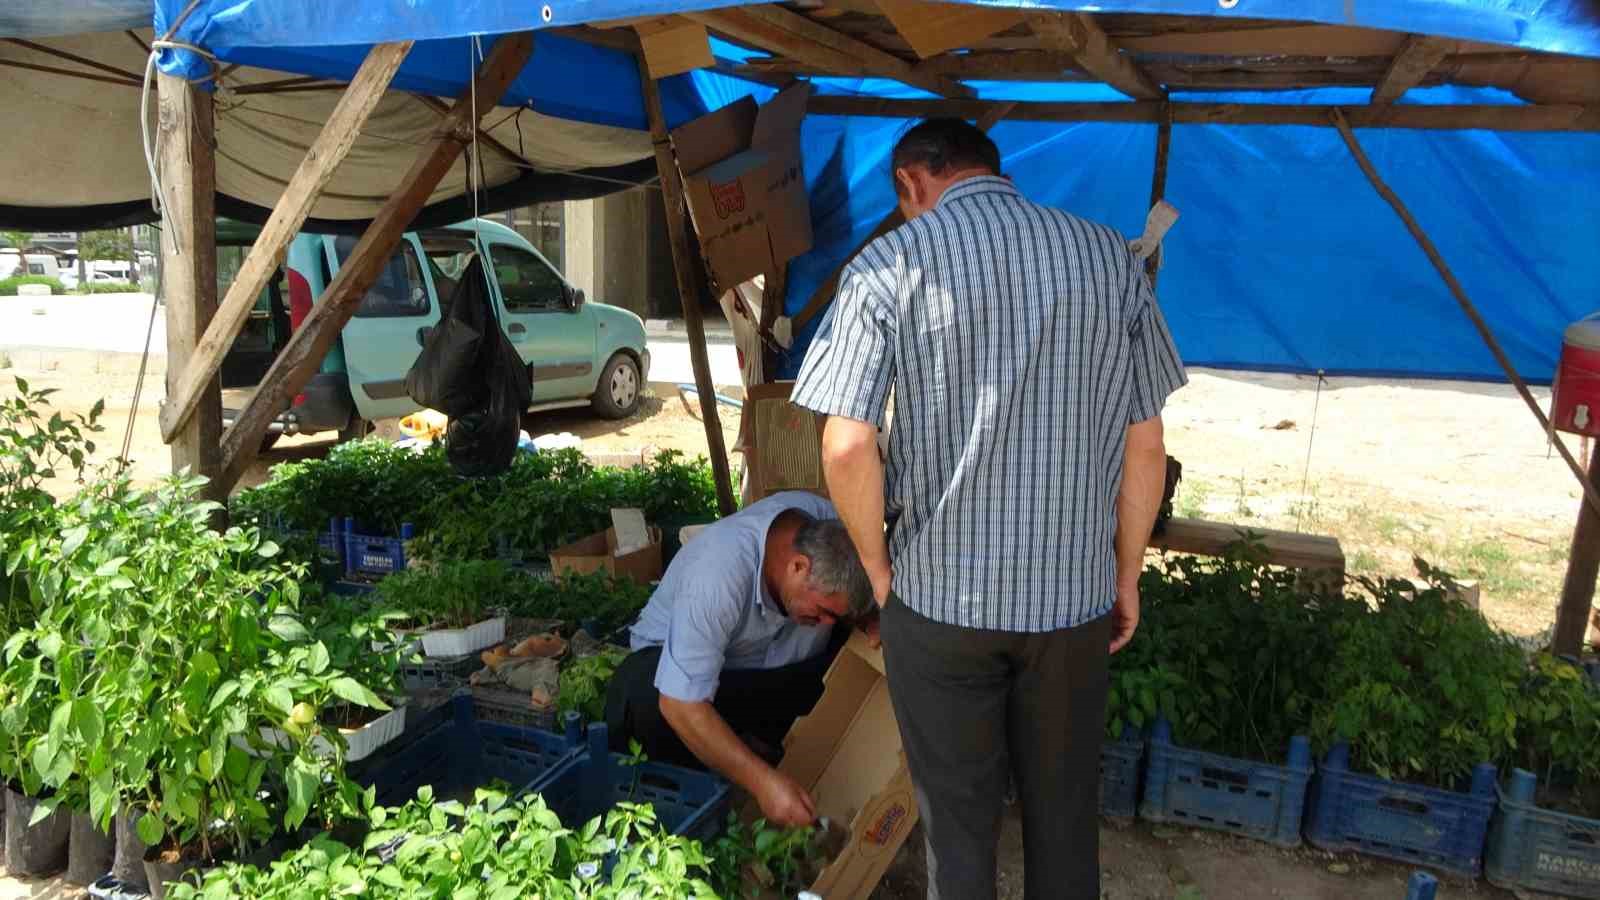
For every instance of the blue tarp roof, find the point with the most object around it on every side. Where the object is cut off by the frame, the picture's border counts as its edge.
(1284, 257)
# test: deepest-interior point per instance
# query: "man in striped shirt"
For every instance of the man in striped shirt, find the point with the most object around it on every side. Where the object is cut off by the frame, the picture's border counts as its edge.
(1030, 363)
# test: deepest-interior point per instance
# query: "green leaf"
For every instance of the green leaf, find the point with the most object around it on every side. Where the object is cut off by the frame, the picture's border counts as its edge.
(267, 550)
(73, 538)
(289, 629)
(43, 810)
(279, 698)
(88, 721)
(110, 567)
(149, 829)
(50, 645)
(319, 658)
(353, 691)
(302, 783)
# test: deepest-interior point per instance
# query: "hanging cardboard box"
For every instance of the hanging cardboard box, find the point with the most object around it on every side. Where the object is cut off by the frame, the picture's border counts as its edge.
(782, 442)
(745, 186)
(847, 754)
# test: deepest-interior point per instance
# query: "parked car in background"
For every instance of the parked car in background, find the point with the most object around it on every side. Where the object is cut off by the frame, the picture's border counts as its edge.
(579, 353)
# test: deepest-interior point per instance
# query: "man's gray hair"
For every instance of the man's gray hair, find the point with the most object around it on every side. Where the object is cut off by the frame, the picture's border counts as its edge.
(835, 565)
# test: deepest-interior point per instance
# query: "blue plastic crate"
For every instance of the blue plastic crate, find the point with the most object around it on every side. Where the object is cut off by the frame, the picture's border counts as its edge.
(374, 556)
(330, 543)
(1119, 775)
(1208, 790)
(1408, 822)
(456, 753)
(687, 802)
(1539, 850)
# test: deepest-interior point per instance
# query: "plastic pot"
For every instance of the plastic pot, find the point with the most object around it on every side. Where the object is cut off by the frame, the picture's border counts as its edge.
(40, 850)
(90, 851)
(128, 865)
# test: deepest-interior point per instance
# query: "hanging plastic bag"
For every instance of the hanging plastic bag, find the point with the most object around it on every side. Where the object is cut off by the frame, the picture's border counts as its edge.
(449, 374)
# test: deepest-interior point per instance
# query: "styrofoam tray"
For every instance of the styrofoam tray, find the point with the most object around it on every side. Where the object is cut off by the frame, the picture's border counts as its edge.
(360, 743)
(460, 641)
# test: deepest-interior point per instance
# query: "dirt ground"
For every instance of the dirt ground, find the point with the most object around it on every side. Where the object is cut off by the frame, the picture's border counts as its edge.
(1456, 473)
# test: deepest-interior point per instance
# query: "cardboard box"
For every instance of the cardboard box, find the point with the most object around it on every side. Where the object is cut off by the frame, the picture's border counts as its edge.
(595, 553)
(673, 45)
(847, 753)
(782, 442)
(745, 186)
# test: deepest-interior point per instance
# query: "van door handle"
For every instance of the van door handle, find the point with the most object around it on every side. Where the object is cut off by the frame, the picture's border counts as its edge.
(422, 335)
(516, 328)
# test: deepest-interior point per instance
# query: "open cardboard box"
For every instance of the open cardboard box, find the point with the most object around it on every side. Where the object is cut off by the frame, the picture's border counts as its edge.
(597, 553)
(745, 186)
(847, 754)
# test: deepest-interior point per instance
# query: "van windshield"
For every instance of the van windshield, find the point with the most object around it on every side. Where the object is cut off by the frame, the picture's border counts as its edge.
(448, 256)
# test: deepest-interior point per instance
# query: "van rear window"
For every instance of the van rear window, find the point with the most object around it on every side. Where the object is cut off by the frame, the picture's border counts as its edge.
(399, 291)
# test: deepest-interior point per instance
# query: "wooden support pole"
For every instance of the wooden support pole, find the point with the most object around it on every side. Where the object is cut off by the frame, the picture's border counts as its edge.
(186, 151)
(1541, 117)
(305, 186)
(691, 286)
(1465, 302)
(1417, 57)
(310, 342)
(1583, 565)
(1158, 186)
(1096, 53)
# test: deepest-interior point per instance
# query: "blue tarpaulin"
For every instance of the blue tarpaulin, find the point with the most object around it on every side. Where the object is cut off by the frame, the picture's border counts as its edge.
(1284, 257)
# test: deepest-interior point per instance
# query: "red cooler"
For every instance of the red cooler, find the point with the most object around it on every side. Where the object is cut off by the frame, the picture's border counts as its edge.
(1575, 406)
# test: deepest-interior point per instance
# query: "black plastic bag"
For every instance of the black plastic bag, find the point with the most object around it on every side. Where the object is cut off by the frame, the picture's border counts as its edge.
(484, 441)
(449, 374)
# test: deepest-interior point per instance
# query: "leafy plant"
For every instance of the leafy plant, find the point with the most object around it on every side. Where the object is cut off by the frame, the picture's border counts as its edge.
(452, 594)
(1558, 732)
(8, 286)
(584, 683)
(758, 860)
(493, 849)
(609, 602)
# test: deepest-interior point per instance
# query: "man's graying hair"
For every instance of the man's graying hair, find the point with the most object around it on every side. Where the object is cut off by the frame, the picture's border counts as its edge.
(945, 145)
(835, 564)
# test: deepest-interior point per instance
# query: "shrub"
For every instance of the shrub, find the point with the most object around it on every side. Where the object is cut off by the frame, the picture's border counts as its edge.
(108, 287)
(8, 286)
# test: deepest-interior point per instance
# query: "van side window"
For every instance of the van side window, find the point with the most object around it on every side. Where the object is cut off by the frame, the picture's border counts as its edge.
(527, 282)
(400, 289)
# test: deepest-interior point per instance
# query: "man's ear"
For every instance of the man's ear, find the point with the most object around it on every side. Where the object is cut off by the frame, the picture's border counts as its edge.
(800, 566)
(904, 184)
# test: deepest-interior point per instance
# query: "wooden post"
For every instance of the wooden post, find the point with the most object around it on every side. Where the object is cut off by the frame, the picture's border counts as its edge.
(1158, 185)
(310, 342)
(305, 186)
(1583, 565)
(186, 151)
(691, 283)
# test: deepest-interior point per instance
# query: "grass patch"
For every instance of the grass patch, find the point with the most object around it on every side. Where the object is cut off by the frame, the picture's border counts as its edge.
(1364, 562)
(1190, 502)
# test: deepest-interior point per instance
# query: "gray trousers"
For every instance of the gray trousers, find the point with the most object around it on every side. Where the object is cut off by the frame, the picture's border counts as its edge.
(976, 705)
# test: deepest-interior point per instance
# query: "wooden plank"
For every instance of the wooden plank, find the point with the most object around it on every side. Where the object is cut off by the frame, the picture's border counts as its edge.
(293, 207)
(1484, 117)
(310, 342)
(1465, 302)
(1078, 34)
(673, 45)
(691, 278)
(1158, 185)
(933, 28)
(186, 151)
(823, 295)
(790, 34)
(1583, 565)
(1284, 548)
(1416, 59)
(1278, 39)
(80, 60)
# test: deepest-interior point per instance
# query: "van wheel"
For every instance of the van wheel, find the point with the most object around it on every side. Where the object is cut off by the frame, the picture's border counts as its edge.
(617, 395)
(356, 430)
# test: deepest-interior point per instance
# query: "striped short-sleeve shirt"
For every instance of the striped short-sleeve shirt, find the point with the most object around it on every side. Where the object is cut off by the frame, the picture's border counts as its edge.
(1020, 342)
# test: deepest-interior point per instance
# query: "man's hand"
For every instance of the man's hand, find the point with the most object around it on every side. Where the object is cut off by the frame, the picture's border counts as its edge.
(785, 803)
(1124, 616)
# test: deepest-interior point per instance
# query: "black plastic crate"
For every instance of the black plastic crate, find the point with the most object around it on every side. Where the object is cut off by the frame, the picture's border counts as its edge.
(687, 802)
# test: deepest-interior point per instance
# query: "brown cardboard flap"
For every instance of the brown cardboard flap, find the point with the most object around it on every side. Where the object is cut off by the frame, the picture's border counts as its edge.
(777, 125)
(876, 834)
(933, 28)
(673, 45)
(714, 136)
(594, 554)
(783, 441)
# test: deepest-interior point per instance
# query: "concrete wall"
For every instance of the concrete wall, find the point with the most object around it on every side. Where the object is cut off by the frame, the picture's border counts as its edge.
(617, 251)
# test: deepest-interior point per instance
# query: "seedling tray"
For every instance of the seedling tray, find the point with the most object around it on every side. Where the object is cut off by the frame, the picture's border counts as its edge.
(687, 802)
(1407, 822)
(1537, 849)
(1238, 796)
(511, 708)
(456, 752)
(372, 555)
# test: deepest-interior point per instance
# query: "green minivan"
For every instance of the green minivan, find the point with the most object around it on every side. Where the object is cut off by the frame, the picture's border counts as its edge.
(579, 353)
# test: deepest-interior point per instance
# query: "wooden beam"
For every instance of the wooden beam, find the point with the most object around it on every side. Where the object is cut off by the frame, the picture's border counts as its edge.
(823, 295)
(1012, 65)
(310, 342)
(1158, 185)
(784, 33)
(1583, 565)
(1467, 307)
(70, 73)
(1456, 117)
(293, 207)
(691, 278)
(186, 151)
(1415, 60)
(80, 60)
(1077, 34)
(494, 143)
